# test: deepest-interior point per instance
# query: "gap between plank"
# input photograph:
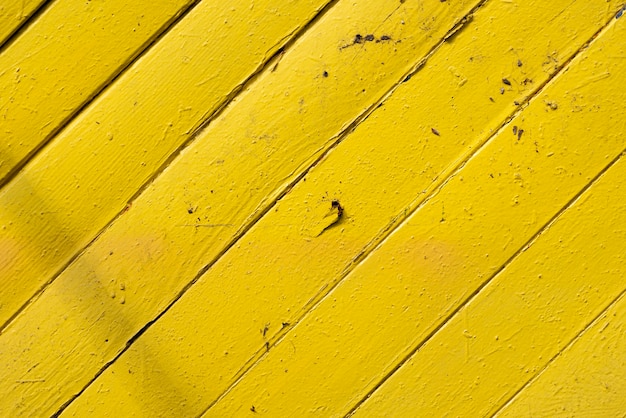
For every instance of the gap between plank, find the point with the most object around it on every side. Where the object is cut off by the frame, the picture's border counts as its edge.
(122, 69)
(573, 341)
(255, 217)
(195, 131)
(35, 14)
(400, 219)
(479, 289)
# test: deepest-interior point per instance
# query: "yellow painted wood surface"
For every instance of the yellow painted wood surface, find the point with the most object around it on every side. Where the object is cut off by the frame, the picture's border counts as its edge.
(62, 60)
(411, 209)
(13, 14)
(70, 191)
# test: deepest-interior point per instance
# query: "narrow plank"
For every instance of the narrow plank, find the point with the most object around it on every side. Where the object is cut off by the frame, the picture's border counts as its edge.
(523, 318)
(86, 176)
(271, 292)
(588, 379)
(458, 239)
(221, 182)
(62, 60)
(13, 14)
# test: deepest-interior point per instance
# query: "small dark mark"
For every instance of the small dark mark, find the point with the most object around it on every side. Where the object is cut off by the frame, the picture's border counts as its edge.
(265, 329)
(552, 105)
(336, 205)
(267, 346)
(369, 38)
(211, 191)
(325, 73)
(280, 54)
(252, 408)
(519, 63)
(519, 134)
(620, 13)
(436, 132)
(491, 175)
(408, 77)
(501, 90)
(358, 39)
(385, 38)
(515, 130)
(516, 103)
(190, 210)
(506, 81)
(491, 98)
(286, 324)
(526, 81)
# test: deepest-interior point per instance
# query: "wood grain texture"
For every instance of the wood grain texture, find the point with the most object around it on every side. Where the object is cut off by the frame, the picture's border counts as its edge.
(320, 207)
(174, 256)
(452, 244)
(62, 60)
(13, 14)
(586, 379)
(70, 191)
(524, 317)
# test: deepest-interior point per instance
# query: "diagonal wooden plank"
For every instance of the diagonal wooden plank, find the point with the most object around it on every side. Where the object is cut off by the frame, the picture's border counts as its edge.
(222, 182)
(15, 13)
(57, 205)
(269, 292)
(382, 311)
(586, 379)
(523, 318)
(62, 60)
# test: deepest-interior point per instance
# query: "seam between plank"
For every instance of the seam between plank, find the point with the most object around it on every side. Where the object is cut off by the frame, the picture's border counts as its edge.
(295, 35)
(35, 14)
(334, 142)
(195, 131)
(525, 246)
(561, 352)
(122, 69)
(400, 219)
(479, 289)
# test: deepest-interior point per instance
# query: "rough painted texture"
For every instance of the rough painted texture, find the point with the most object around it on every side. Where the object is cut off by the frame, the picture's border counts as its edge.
(13, 14)
(398, 213)
(69, 192)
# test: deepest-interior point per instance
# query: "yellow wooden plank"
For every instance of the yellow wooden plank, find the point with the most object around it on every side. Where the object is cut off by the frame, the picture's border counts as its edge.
(403, 291)
(238, 165)
(84, 178)
(13, 13)
(588, 379)
(523, 318)
(269, 292)
(62, 60)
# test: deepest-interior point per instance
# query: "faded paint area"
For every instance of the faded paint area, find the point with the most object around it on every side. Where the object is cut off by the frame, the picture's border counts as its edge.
(321, 208)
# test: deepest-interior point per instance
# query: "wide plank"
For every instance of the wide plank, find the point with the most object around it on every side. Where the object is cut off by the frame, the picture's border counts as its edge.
(450, 247)
(523, 318)
(248, 299)
(13, 14)
(587, 379)
(218, 186)
(62, 60)
(84, 178)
